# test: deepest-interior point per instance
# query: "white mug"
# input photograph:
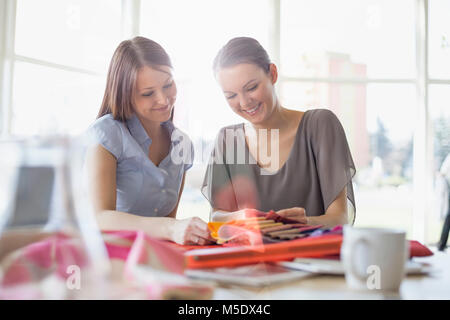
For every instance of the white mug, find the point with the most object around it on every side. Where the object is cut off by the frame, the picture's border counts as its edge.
(374, 258)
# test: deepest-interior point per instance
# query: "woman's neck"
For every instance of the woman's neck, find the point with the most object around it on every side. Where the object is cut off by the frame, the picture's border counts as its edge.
(278, 119)
(153, 128)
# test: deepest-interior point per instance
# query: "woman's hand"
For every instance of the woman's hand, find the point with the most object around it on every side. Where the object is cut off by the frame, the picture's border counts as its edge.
(191, 231)
(296, 213)
(223, 216)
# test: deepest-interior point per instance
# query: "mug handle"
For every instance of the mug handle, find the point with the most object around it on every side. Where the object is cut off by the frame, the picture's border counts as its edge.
(353, 270)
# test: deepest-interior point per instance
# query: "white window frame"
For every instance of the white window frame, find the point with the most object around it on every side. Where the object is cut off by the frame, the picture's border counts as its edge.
(8, 57)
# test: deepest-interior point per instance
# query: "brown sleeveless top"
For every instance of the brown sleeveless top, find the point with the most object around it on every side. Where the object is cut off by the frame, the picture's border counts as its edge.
(317, 169)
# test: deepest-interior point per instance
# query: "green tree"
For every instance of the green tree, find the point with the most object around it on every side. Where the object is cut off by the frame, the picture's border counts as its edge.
(441, 139)
(381, 145)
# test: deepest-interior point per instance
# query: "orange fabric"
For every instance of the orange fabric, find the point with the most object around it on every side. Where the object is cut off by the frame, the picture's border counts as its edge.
(238, 255)
(312, 247)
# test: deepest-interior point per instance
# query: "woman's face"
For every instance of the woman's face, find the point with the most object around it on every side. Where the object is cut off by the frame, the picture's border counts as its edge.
(155, 94)
(249, 90)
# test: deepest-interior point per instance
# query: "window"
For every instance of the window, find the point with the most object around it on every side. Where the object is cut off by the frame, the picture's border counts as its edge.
(60, 59)
(360, 39)
(439, 97)
(192, 40)
(439, 109)
(358, 59)
(439, 39)
(53, 100)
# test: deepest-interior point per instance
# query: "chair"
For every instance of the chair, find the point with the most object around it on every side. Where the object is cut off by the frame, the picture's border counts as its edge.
(445, 174)
(445, 230)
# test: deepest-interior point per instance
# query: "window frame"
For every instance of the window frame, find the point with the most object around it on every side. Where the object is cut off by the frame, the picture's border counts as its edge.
(8, 57)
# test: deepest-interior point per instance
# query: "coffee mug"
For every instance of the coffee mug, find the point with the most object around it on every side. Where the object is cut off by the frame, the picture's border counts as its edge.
(374, 258)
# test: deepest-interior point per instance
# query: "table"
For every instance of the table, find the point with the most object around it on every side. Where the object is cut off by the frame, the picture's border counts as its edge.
(435, 285)
(318, 287)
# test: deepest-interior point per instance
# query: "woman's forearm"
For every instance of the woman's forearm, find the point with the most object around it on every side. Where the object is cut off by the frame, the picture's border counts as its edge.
(336, 213)
(158, 227)
(327, 220)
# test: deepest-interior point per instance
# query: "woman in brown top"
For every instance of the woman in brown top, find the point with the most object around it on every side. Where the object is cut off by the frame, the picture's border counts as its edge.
(295, 163)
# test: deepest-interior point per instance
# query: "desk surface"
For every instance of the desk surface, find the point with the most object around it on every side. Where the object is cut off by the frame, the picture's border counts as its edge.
(435, 285)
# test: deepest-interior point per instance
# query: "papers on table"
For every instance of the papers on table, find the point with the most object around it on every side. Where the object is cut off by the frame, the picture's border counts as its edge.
(256, 275)
(264, 274)
(335, 267)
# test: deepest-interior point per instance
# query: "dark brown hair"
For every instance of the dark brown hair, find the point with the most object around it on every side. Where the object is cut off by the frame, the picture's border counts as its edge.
(129, 57)
(242, 50)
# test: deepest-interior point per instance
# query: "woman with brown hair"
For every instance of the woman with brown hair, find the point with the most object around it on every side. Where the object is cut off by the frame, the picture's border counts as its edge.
(295, 163)
(137, 166)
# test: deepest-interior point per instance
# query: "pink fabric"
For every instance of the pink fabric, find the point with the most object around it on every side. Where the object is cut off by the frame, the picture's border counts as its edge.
(117, 251)
(31, 264)
(169, 256)
(158, 254)
(38, 258)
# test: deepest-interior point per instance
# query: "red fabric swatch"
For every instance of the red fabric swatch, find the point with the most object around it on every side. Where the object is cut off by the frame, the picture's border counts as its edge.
(416, 249)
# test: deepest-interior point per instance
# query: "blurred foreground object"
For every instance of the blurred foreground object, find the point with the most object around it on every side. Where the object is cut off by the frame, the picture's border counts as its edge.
(42, 205)
(51, 246)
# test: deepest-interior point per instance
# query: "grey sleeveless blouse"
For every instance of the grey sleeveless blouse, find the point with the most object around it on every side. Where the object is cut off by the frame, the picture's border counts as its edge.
(317, 169)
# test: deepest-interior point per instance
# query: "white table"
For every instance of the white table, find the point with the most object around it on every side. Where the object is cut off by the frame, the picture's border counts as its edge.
(435, 285)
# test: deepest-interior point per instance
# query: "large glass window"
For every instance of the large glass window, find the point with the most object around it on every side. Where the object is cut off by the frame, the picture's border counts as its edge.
(61, 56)
(77, 33)
(378, 120)
(439, 39)
(439, 97)
(356, 41)
(192, 32)
(439, 111)
(193, 40)
(51, 100)
(366, 32)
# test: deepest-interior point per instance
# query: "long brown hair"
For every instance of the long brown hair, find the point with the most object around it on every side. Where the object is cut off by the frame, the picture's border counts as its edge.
(129, 57)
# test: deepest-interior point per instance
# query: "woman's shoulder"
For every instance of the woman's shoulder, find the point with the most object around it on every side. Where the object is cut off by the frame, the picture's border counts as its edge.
(321, 114)
(318, 119)
(106, 121)
(325, 128)
(107, 132)
(107, 125)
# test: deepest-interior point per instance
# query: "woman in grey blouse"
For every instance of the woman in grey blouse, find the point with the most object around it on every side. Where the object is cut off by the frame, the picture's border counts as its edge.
(295, 163)
(138, 164)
